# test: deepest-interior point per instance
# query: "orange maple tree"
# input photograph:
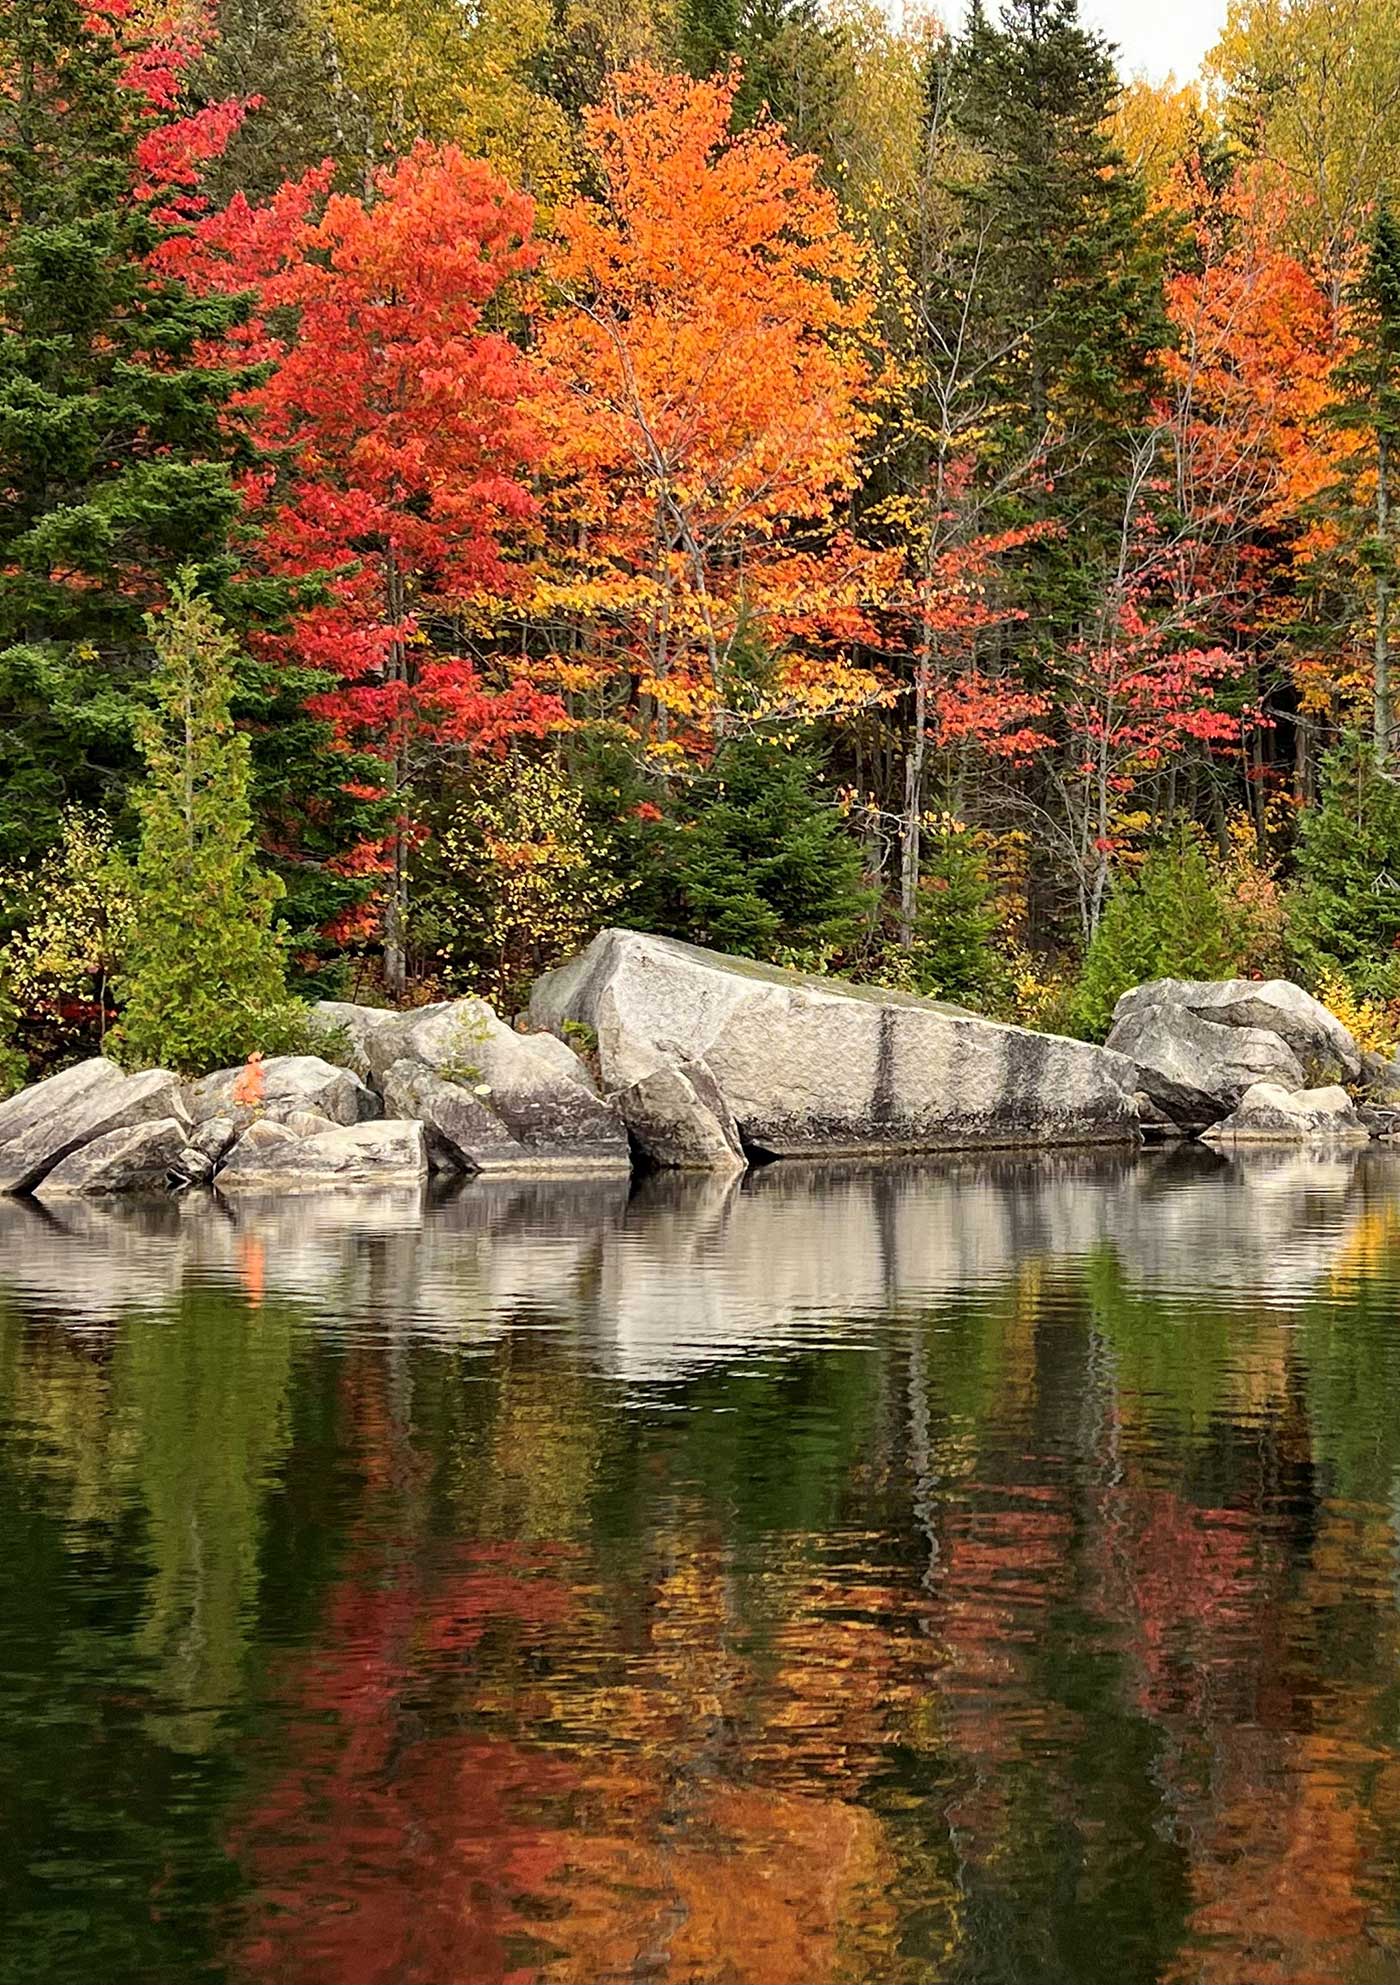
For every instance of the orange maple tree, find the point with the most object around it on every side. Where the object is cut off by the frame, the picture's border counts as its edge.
(703, 331)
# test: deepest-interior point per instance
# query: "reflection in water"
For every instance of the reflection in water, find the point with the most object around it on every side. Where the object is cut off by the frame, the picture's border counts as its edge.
(977, 1572)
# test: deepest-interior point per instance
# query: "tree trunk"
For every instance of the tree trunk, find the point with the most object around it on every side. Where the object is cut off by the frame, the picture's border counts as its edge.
(1382, 685)
(913, 807)
(396, 909)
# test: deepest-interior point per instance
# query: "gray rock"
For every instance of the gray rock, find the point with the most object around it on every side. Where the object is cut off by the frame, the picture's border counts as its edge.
(191, 1167)
(271, 1158)
(1379, 1079)
(213, 1137)
(1195, 1071)
(546, 1108)
(137, 1158)
(59, 1116)
(1274, 1006)
(307, 1123)
(680, 1119)
(289, 1083)
(807, 1066)
(349, 1027)
(463, 1135)
(1269, 1114)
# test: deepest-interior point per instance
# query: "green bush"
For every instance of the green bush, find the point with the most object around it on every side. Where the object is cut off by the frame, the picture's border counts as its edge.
(1174, 919)
(1344, 912)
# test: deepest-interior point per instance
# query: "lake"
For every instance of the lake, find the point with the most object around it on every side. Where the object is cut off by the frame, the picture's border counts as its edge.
(981, 1571)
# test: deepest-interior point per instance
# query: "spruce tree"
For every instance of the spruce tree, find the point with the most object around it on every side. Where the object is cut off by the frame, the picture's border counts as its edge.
(114, 451)
(1344, 916)
(1369, 405)
(787, 54)
(204, 981)
(955, 954)
(1173, 920)
(765, 867)
(1068, 301)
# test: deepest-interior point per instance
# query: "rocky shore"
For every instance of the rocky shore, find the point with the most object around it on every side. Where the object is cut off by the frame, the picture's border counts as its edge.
(648, 1051)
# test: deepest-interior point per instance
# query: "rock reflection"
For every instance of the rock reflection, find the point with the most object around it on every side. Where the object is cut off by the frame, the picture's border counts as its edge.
(660, 1279)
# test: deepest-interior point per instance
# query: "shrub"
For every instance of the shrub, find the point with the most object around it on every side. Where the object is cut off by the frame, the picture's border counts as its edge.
(1174, 919)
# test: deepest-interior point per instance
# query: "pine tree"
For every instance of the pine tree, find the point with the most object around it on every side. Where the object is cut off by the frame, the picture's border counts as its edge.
(1069, 263)
(1172, 920)
(114, 450)
(766, 868)
(204, 980)
(1344, 916)
(955, 955)
(1370, 406)
(787, 54)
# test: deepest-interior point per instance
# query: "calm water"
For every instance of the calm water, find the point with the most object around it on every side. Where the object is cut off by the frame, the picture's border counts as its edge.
(989, 1571)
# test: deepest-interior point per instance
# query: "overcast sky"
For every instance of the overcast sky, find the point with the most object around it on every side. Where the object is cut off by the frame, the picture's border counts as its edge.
(1158, 35)
(1154, 36)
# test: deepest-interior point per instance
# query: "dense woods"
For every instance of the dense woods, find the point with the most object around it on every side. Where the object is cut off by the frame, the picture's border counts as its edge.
(890, 500)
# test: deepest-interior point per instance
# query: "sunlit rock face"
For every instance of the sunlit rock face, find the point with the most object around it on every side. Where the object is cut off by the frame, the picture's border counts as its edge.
(808, 1067)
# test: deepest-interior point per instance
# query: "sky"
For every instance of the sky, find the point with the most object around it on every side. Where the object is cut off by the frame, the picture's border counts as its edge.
(1155, 36)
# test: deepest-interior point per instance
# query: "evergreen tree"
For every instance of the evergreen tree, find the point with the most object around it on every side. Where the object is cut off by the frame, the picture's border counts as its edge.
(1172, 920)
(955, 954)
(1344, 916)
(765, 868)
(1370, 406)
(204, 983)
(788, 55)
(114, 449)
(1068, 264)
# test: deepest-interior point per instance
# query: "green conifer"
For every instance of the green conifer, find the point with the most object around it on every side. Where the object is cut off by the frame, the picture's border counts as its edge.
(1173, 920)
(1344, 916)
(766, 867)
(955, 955)
(204, 980)
(115, 452)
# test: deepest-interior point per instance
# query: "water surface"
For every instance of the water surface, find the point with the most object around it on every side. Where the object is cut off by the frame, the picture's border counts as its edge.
(986, 1571)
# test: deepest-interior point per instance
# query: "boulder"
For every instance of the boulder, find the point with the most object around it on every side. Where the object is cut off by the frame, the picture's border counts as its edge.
(463, 1135)
(523, 1099)
(191, 1167)
(1269, 1114)
(44, 1123)
(271, 1158)
(806, 1066)
(213, 1137)
(680, 1119)
(1272, 1006)
(137, 1158)
(289, 1083)
(1194, 1071)
(1379, 1080)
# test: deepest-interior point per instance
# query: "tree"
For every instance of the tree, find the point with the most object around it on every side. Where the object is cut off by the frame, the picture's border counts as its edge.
(1172, 920)
(1368, 407)
(70, 916)
(955, 954)
(1344, 916)
(403, 429)
(1076, 269)
(765, 867)
(116, 447)
(204, 971)
(699, 344)
(788, 57)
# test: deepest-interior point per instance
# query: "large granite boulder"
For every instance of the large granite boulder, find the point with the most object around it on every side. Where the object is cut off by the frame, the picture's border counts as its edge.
(288, 1083)
(1194, 1071)
(270, 1157)
(44, 1123)
(1269, 1114)
(492, 1098)
(804, 1066)
(1273, 1006)
(139, 1158)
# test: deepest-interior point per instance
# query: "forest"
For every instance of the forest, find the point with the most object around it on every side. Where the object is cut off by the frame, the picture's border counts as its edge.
(890, 498)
